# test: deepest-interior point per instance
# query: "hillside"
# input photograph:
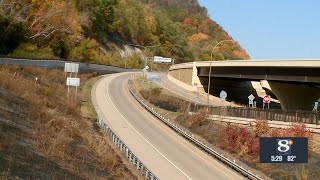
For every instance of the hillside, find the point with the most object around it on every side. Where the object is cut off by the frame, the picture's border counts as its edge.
(44, 135)
(97, 30)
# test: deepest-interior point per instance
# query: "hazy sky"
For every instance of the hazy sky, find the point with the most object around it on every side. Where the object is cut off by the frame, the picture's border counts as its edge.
(270, 29)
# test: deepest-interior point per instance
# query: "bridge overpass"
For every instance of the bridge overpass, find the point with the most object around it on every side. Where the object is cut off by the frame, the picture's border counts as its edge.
(295, 83)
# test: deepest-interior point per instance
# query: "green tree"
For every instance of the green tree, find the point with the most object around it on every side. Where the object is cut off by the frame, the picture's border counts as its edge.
(12, 34)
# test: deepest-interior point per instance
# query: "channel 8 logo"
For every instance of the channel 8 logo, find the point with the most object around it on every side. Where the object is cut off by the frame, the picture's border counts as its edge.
(284, 146)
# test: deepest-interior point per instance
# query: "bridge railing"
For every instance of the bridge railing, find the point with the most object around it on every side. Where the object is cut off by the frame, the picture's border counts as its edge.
(307, 117)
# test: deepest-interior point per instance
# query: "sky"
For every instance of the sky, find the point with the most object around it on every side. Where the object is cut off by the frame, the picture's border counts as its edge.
(270, 29)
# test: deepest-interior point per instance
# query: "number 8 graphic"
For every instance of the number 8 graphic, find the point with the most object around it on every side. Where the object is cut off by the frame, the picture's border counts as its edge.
(284, 145)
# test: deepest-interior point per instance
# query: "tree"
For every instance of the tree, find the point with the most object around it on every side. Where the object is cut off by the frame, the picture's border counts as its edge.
(12, 34)
(51, 17)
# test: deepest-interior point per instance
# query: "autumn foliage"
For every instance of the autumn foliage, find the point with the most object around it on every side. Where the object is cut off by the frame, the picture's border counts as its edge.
(94, 30)
(245, 141)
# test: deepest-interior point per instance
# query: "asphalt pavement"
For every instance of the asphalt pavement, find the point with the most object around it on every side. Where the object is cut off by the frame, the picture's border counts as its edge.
(197, 97)
(167, 154)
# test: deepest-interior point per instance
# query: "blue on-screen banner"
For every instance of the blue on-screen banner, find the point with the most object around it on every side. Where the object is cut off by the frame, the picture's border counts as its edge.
(283, 150)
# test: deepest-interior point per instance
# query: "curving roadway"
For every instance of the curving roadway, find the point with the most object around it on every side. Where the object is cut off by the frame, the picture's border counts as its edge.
(165, 153)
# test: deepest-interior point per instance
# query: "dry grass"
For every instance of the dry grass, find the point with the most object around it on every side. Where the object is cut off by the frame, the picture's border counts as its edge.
(58, 142)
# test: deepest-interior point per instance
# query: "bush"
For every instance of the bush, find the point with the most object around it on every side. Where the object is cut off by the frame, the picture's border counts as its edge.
(197, 119)
(169, 103)
(228, 138)
(88, 50)
(28, 50)
(262, 128)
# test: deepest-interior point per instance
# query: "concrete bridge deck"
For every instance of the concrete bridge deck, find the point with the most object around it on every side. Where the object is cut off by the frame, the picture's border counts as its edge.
(295, 83)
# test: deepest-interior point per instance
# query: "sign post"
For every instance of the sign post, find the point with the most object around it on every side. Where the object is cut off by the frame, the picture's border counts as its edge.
(266, 100)
(315, 108)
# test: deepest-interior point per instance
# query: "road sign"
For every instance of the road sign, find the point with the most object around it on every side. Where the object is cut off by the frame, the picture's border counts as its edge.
(223, 95)
(266, 99)
(159, 59)
(73, 81)
(71, 67)
(153, 77)
(251, 97)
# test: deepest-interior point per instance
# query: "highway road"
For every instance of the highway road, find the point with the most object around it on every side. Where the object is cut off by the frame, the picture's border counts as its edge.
(165, 153)
(201, 98)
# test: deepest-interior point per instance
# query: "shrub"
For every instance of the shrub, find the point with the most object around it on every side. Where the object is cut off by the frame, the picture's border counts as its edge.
(228, 138)
(28, 50)
(262, 128)
(197, 119)
(156, 91)
(253, 146)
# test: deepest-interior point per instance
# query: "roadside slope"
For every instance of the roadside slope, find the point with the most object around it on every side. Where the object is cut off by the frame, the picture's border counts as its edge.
(43, 134)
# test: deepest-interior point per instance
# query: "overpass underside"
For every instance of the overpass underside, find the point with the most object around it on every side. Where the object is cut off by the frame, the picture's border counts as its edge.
(295, 88)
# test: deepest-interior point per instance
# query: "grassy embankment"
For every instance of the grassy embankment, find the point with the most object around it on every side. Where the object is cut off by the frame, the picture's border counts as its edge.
(238, 142)
(44, 134)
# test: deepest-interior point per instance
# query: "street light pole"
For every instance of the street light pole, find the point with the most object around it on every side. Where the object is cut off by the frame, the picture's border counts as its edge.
(209, 84)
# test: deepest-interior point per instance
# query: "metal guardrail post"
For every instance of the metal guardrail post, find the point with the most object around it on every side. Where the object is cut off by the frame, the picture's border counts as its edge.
(138, 165)
(147, 174)
(117, 141)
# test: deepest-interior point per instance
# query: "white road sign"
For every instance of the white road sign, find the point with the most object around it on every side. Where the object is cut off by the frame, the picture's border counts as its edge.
(73, 81)
(71, 67)
(153, 77)
(223, 95)
(159, 59)
(251, 97)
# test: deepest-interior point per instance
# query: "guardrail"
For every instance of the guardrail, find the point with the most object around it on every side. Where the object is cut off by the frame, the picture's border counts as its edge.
(59, 64)
(195, 141)
(308, 117)
(124, 148)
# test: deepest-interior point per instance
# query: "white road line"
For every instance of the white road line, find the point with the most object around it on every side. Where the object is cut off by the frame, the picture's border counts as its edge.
(141, 135)
(123, 86)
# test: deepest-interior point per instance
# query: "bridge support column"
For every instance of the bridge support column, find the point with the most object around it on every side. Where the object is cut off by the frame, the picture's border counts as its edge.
(295, 96)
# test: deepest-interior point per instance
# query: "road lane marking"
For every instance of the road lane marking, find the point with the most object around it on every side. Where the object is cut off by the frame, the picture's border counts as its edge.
(139, 133)
(130, 99)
